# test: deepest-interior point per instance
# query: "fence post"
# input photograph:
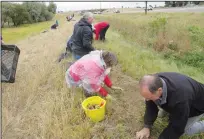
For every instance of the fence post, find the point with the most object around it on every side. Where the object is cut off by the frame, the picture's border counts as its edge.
(146, 7)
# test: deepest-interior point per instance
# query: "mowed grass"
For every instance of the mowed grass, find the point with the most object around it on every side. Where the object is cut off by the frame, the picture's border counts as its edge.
(14, 34)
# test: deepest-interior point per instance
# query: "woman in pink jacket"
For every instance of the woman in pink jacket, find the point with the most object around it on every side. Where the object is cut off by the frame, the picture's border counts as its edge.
(91, 71)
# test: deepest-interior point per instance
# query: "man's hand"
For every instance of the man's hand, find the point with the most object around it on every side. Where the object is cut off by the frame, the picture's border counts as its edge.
(143, 134)
(116, 88)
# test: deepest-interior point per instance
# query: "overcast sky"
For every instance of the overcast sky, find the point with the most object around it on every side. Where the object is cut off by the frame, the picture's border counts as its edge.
(69, 6)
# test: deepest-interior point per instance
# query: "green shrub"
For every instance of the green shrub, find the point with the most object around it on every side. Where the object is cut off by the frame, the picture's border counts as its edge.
(197, 35)
(157, 25)
(195, 59)
(173, 46)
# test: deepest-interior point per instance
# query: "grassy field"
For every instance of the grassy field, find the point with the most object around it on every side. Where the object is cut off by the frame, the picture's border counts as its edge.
(178, 36)
(39, 104)
(14, 34)
(158, 42)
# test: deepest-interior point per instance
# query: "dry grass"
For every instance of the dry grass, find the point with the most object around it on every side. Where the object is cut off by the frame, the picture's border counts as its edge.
(39, 104)
(28, 102)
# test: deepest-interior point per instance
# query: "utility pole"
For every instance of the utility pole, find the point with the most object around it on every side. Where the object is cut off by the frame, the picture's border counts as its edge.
(100, 6)
(146, 7)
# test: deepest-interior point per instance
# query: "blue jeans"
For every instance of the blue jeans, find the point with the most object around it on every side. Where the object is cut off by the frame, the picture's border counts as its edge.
(75, 56)
(195, 125)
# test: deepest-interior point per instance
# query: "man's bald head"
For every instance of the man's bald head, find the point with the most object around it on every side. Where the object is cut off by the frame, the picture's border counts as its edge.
(152, 82)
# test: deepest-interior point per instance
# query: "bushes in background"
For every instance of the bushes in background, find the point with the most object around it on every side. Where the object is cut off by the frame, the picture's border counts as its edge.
(27, 12)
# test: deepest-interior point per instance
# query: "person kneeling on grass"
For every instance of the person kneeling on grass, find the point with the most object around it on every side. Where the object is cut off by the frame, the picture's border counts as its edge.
(90, 71)
(54, 26)
(179, 95)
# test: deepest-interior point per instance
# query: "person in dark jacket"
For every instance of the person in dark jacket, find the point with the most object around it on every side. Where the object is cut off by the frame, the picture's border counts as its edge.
(82, 36)
(67, 50)
(179, 95)
(100, 30)
(54, 26)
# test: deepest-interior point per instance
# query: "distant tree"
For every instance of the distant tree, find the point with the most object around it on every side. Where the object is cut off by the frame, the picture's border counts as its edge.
(179, 3)
(52, 7)
(196, 2)
(6, 13)
(19, 14)
(34, 10)
(43, 12)
(39, 11)
(48, 15)
(28, 12)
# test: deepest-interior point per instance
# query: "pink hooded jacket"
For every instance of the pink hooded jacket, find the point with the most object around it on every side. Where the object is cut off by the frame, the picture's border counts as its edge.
(89, 72)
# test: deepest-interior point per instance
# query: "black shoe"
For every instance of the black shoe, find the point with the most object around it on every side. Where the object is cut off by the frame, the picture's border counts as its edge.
(61, 57)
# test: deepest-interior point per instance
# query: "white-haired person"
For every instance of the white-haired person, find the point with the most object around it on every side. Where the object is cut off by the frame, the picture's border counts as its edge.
(82, 36)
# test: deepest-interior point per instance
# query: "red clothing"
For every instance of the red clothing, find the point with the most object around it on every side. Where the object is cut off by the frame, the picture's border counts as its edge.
(102, 91)
(98, 27)
(89, 72)
(108, 82)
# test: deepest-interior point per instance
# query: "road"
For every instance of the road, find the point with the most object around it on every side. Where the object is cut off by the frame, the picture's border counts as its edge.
(170, 10)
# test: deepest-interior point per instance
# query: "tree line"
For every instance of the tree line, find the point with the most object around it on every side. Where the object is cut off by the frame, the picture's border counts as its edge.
(179, 3)
(26, 12)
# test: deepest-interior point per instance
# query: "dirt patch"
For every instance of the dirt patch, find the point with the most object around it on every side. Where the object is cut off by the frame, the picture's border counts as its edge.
(128, 108)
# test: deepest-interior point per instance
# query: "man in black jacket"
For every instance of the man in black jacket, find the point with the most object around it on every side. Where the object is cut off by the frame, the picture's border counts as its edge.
(82, 36)
(179, 95)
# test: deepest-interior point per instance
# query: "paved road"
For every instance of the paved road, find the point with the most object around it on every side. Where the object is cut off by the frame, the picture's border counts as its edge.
(169, 10)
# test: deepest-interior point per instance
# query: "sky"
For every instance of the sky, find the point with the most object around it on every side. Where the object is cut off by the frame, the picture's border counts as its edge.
(72, 6)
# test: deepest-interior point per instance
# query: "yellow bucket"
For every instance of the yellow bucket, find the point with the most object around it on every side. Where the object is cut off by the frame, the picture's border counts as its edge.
(95, 115)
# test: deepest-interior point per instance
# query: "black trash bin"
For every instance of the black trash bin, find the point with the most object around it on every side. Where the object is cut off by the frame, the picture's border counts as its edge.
(9, 61)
